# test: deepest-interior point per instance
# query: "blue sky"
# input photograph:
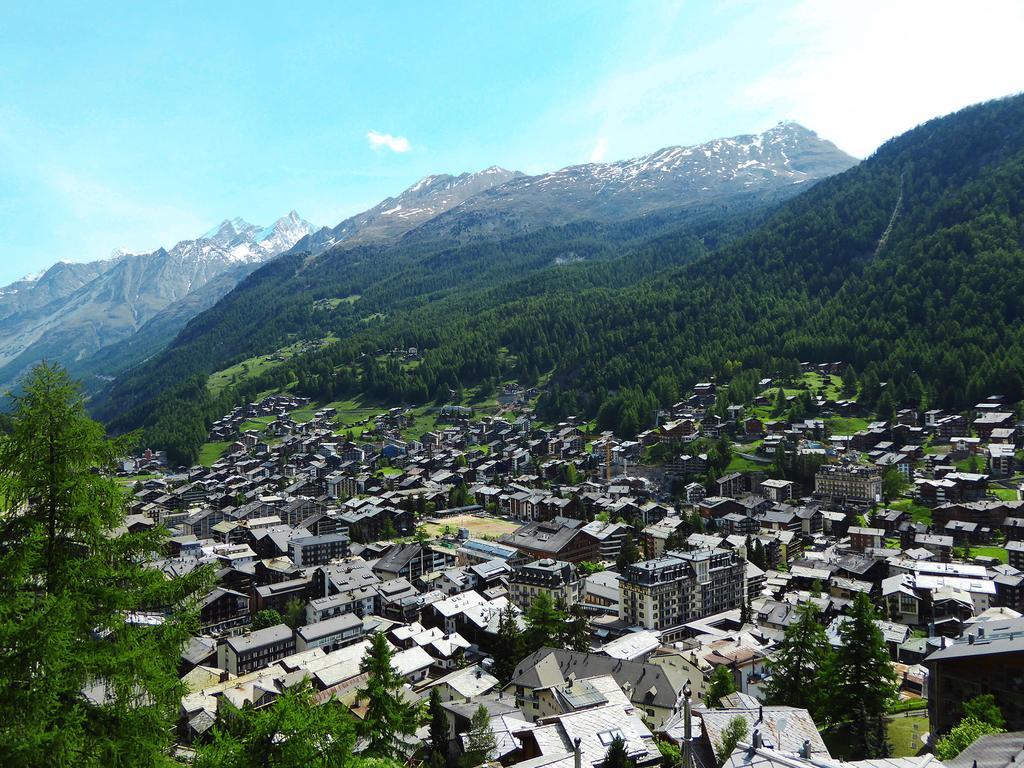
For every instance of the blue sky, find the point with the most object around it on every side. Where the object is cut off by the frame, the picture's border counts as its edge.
(141, 124)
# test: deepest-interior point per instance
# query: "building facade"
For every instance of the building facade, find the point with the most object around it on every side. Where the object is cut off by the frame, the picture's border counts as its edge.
(849, 483)
(557, 578)
(681, 587)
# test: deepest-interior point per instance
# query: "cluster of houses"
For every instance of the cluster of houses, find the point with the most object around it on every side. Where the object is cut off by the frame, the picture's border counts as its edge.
(324, 533)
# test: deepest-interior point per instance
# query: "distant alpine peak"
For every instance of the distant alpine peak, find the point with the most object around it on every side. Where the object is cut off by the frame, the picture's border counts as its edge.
(32, 277)
(444, 181)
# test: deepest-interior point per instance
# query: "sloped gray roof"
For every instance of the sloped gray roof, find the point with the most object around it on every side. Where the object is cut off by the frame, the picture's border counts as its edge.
(648, 684)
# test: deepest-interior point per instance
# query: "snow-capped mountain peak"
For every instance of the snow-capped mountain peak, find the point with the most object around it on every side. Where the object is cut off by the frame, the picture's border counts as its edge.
(428, 197)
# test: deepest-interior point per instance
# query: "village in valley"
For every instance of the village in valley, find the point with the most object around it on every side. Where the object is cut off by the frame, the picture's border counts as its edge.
(561, 589)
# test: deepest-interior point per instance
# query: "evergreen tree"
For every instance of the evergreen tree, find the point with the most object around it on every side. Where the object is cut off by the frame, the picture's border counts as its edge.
(438, 757)
(293, 732)
(893, 483)
(480, 741)
(779, 407)
(629, 553)
(509, 646)
(862, 678)
(389, 716)
(617, 756)
(576, 636)
(798, 668)
(849, 381)
(697, 522)
(544, 621)
(721, 684)
(83, 683)
(295, 613)
(746, 611)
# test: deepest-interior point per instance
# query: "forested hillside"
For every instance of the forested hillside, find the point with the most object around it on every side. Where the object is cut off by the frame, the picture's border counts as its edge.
(908, 265)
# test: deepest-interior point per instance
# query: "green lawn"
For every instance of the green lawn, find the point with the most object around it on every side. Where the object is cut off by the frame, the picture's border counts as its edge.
(832, 383)
(350, 413)
(970, 464)
(998, 552)
(902, 735)
(846, 425)
(919, 512)
(740, 464)
(1006, 494)
(239, 372)
(302, 415)
(211, 452)
(256, 366)
(257, 424)
(425, 422)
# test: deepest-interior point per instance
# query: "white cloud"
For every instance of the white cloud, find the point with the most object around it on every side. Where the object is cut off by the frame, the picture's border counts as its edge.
(600, 150)
(864, 72)
(394, 143)
(856, 73)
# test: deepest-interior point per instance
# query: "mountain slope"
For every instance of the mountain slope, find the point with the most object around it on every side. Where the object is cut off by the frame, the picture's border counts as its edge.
(394, 216)
(737, 171)
(932, 307)
(594, 215)
(74, 310)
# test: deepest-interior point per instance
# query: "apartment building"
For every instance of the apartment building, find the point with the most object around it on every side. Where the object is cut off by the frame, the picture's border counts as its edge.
(849, 482)
(681, 587)
(556, 577)
(245, 653)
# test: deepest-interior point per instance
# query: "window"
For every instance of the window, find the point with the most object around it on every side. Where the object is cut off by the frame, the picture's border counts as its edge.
(607, 737)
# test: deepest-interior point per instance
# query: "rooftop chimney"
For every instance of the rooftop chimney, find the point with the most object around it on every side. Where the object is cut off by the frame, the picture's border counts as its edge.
(577, 758)
(756, 742)
(760, 714)
(805, 750)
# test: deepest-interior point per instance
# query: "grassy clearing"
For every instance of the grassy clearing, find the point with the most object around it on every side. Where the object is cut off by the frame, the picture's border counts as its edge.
(997, 552)
(901, 735)
(904, 740)
(919, 512)
(832, 384)
(1006, 494)
(256, 366)
(335, 303)
(425, 422)
(257, 424)
(479, 527)
(210, 453)
(846, 425)
(740, 464)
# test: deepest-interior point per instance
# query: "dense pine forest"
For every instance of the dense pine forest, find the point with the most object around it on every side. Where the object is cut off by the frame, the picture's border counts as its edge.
(909, 266)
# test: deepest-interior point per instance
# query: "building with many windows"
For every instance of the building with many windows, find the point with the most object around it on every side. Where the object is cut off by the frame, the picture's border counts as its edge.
(851, 483)
(556, 577)
(681, 587)
(242, 654)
